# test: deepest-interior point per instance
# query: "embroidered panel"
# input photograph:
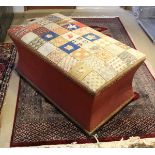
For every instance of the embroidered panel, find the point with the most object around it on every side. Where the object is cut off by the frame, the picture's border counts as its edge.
(85, 54)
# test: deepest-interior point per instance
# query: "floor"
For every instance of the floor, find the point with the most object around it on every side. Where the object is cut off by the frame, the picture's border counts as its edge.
(138, 36)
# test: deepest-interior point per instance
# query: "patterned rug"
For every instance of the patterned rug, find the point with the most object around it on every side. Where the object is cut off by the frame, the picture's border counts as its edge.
(38, 122)
(7, 59)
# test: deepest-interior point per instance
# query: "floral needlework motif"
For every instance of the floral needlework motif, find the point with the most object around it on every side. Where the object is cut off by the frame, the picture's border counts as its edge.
(104, 55)
(80, 41)
(101, 42)
(80, 54)
(65, 21)
(70, 36)
(52, 26)
(58, 41)
(43, 22)
(60, 30)
(56, 55)
(33, 26)
(71, 26)
(81, 31)
(36, 43)
(79, 71)
(93, 81)
(67, 62)
(92, 48)
(41, 30)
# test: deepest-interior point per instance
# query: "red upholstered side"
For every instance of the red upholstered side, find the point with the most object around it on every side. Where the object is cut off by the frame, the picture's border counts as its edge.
(67, 95)
(112, 99)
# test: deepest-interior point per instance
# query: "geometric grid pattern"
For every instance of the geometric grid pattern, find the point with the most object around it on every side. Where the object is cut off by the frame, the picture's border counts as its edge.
(85, 54)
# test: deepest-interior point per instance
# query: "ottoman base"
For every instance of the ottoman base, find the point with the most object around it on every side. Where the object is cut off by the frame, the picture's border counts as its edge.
(68, 116)
(88, 110)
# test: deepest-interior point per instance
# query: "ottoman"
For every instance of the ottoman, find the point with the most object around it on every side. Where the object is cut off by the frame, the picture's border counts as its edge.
(83, 72)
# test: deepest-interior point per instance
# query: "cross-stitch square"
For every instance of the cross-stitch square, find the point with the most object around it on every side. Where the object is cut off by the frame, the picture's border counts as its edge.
(79, 71)
(53, 18)
(27, 38)
(114, 49)
(71, 27)
(91, 37)
(127, 58)
(56, 55)
(43, 22)
(52, 26)
(49, 36)
(104, 55)
(69, 47)
(40, 30)
(67, 62)
(81, 31)
(101, 42)
(46, 49)
(60, 30)
(33, 27)
(36, 43)
(80, 41)
(80, 54)
(93, 81)
(134, 52)
(106, 71)
(58, 41)
(92, 48)
(70, 36)
(94, 62)
(117, 64)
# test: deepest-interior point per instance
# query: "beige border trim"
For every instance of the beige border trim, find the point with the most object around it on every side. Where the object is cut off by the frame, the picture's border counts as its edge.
(8, 110)
(150, 68)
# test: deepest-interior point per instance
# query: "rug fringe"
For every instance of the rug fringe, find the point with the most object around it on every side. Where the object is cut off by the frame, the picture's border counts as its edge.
(132, 142)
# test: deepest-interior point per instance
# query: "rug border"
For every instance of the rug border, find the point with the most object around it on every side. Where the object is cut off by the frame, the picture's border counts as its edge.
(11, 64)
(81, 141)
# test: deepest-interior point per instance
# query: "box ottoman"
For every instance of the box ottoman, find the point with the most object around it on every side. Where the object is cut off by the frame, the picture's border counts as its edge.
(85, 73)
